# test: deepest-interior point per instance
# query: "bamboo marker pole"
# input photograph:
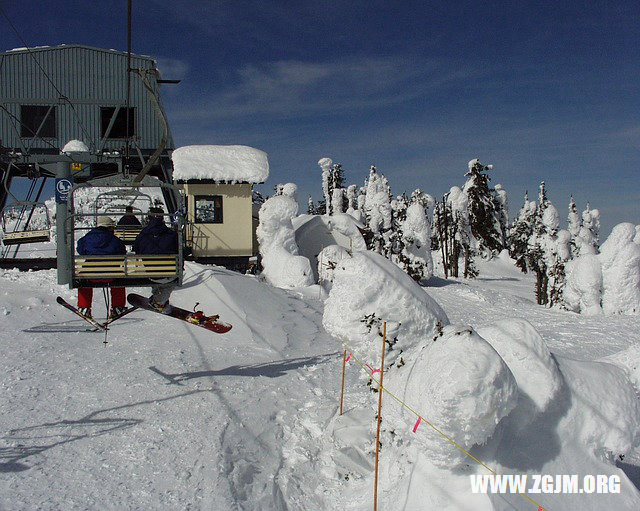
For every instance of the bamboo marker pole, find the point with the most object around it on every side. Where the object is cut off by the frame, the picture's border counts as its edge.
(375, 484)
(344, 364)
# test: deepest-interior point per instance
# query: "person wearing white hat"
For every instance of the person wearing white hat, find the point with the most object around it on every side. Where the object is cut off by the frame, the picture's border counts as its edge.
(101, 241)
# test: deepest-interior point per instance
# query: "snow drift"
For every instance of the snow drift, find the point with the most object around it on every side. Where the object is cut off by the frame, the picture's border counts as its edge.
(369, 289)
(462, 385)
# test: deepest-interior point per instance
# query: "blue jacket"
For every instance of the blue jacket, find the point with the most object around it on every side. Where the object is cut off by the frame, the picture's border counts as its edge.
(128, 220)
(100, 241)
(156, 238)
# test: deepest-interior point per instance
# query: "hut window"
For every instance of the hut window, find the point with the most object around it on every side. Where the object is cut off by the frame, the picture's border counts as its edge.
(208, 209)
(34, 117)
(119, 124)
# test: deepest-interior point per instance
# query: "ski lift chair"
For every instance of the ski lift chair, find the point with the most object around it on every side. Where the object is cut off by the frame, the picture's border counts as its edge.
(129, 270)
(16, 220)
(116, 202)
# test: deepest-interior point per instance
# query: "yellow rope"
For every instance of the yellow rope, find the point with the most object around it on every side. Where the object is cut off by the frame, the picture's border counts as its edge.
(442, 434)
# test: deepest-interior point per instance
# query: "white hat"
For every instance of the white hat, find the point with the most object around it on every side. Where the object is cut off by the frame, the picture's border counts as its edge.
(105, 221)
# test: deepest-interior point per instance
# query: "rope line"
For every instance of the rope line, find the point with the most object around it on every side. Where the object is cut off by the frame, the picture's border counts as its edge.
(366, 367)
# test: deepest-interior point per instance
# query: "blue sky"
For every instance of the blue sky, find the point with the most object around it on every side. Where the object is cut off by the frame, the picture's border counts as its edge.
(542, 90)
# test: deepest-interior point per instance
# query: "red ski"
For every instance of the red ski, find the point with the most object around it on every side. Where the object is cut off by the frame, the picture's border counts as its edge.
(196, 318)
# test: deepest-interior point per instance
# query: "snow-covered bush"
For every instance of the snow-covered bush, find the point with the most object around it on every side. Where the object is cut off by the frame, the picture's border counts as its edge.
(283, 267)
(609, 281)
(461, 385)
(416, 240)
(620, 258)
(328, 260)
(528, 357)
(583, 286)
(369, 289)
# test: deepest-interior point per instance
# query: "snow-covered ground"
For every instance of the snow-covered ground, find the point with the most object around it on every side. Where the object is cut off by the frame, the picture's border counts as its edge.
(169, 416)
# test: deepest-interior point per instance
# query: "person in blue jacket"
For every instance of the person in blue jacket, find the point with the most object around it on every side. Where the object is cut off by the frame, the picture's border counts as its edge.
(157, 239)
(129, 219)
(101, 241)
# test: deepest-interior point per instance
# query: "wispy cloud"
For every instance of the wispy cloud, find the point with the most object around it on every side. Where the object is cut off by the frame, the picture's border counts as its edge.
(295, 87)
(172, 68)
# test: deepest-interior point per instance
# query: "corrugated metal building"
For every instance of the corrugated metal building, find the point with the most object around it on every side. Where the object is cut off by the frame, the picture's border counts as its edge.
(51, 95)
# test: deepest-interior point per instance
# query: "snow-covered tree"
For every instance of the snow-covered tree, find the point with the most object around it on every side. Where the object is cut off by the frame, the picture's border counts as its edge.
(587, 239)
(283, 267)
(556, 253)
(453, 233)
(415, 236)
(311, 207)
(573, 224)
(377, 209)
(352, 201)
(483, 220)
(327, 189)
(536, 248)
(501, 204)
(520, 232)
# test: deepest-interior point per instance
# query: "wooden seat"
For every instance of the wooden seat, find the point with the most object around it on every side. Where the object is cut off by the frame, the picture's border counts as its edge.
(130, 266)
(127, 234)
(20, 237)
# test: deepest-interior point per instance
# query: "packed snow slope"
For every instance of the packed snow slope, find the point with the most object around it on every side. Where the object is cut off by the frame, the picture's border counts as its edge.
(169, 416)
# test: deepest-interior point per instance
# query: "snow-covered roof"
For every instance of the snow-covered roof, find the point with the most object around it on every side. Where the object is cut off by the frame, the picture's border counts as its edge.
(32, 49)
(230, 163)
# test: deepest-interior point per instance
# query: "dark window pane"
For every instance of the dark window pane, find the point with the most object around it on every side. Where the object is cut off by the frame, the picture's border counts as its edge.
(31, 117)
(119, 128)
(208, 209)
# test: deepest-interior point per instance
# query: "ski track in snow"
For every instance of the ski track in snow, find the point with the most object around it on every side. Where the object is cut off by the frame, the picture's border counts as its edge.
(170, 416)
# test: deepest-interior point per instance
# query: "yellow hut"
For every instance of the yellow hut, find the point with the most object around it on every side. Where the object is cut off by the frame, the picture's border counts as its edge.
(218, 185)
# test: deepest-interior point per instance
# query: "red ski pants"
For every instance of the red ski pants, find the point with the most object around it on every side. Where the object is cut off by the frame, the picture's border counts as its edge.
(118, 297)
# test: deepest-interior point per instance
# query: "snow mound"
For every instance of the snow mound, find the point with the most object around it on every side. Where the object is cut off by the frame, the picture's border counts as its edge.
(232, 163)
(527, 356)
(315, 232)
(606, 410)
(462, 386)
(369, 289)
(328, 261)
(629, 361)
(283, 267)
(75, 146)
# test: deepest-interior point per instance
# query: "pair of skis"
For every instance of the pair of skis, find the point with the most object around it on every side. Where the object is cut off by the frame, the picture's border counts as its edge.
(97, 326)
(196, 318)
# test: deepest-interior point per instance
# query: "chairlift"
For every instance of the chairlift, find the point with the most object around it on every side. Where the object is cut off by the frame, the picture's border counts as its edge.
(113, 203)
(25, 222)
(129, 270)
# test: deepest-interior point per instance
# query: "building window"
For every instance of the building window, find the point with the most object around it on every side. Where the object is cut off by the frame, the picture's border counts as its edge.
(208, 209)
(119, 126)
(34, 117)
